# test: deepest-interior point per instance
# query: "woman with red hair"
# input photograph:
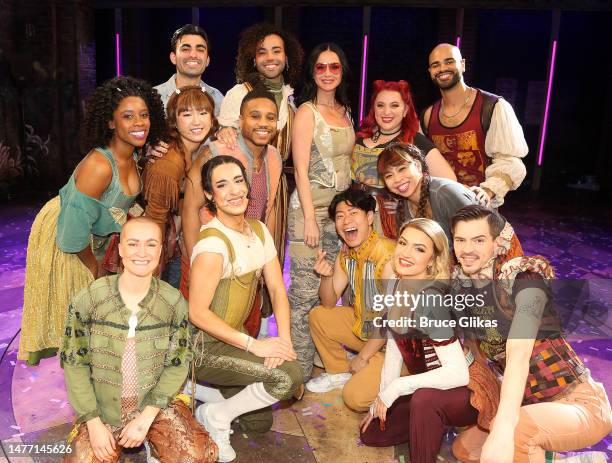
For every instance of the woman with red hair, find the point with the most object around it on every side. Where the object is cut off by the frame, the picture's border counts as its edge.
(391, 118)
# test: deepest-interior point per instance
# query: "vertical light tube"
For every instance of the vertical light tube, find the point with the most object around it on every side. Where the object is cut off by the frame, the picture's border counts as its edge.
(364, 63)
(117, 54)
(459, 17)
(551, 74)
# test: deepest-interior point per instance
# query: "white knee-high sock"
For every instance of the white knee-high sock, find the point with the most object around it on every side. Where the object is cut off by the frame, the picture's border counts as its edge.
(252, 397)
(204, 393)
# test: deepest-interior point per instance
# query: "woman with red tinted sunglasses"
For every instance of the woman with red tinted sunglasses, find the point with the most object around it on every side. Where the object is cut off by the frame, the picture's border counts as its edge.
(391, 118)
(322, 139)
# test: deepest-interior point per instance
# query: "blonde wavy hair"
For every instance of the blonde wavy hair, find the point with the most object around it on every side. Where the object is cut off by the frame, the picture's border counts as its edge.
(441, 258)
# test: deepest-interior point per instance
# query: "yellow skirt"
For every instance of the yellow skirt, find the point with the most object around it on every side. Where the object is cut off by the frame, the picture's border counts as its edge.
(52, 279)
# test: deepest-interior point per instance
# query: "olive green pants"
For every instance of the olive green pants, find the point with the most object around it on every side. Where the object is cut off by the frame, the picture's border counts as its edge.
(231, 369)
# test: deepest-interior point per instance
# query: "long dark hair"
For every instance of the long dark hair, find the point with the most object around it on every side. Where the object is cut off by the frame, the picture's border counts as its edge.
(397, 154)
(309, 87)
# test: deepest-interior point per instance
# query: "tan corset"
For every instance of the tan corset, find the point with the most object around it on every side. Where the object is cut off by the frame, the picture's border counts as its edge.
(330, 153)
(234, 295)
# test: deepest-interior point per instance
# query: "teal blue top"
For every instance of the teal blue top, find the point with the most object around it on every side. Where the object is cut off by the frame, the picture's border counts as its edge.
(82, 216)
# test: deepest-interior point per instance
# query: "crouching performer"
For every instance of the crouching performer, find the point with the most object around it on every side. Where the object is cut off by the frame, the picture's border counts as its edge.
(361, 266)
(226, 264)
(549, 401)
(125, 354)
(445, 387)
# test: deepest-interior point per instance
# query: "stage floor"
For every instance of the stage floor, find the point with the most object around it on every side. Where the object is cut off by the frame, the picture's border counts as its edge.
(319, 428)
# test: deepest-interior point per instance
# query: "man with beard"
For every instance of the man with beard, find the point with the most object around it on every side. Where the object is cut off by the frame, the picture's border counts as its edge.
(476, 132)
(362, 266)
(549, 401)
(271, 58)
(189, 52)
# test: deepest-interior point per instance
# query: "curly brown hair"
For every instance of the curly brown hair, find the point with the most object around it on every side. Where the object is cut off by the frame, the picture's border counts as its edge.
(105, 99)
(250, 39)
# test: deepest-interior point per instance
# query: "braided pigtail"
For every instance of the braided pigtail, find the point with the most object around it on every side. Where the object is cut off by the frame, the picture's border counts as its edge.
(424, 199)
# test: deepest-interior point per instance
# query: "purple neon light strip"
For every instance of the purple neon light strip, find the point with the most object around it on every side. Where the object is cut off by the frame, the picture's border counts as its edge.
(364, 63)
(547, 107)
(458, 42)
(117, 54)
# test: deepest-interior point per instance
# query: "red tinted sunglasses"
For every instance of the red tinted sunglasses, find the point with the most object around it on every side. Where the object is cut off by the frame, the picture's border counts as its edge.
(334, 68)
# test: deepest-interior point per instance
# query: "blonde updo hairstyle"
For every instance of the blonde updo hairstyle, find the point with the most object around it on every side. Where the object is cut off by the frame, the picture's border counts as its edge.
(439, 269)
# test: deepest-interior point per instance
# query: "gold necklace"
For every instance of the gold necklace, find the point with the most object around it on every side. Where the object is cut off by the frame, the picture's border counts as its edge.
(467, 98)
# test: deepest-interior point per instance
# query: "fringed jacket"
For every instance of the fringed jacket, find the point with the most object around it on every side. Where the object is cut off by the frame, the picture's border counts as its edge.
(94, 340)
